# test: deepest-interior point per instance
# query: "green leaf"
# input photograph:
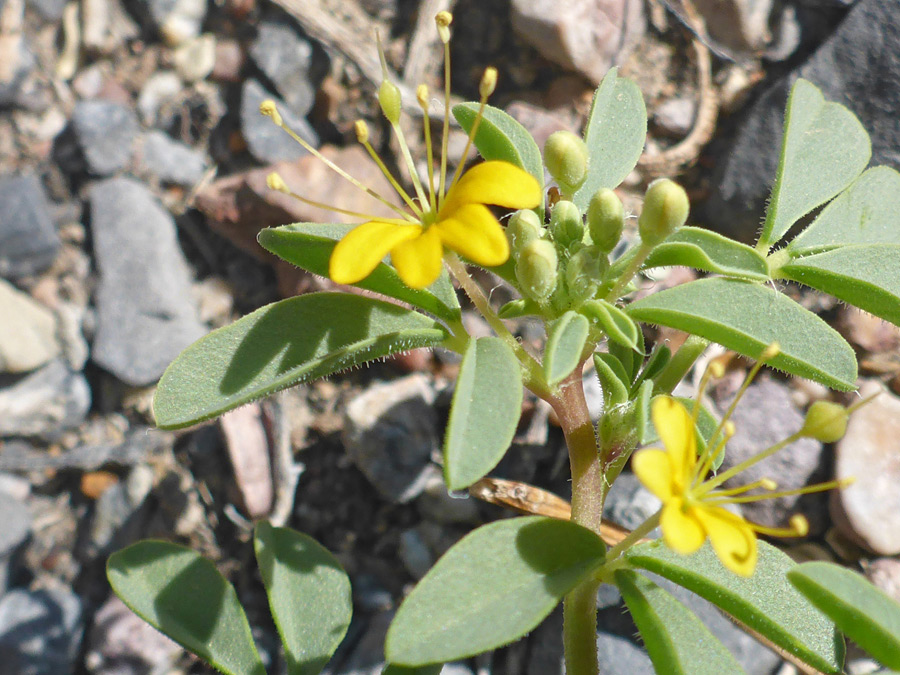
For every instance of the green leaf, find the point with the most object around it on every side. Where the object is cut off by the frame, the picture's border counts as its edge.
(309, 595)
(182, 594)
(677, 642)
(824, 149)
(615, 133)
(614, 381)
(280, 345)
(867, 277)
(764, 602)
(486, 408)
(867, 212)
(565, 345)
(500, 137)
(710, 252)
(614, 322)
(865, 614)
(656, 362)
(309, 246)
(631, 359)
(519, 307)
(747, 318)
(494, 586)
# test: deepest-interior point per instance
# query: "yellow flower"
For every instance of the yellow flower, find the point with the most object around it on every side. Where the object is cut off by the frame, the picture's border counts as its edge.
(443, 214)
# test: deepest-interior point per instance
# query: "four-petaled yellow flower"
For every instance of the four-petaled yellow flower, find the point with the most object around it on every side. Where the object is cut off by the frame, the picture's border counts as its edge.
(462, 223)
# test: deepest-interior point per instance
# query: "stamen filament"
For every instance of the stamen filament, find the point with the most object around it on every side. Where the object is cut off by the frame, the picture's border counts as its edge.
(446, 129)
(422, 96)
(704, 465)
(393, 181)
(799, 528)
(763, 483)
(410, 165)
(474, 130)
(713, 483)
(809, 489)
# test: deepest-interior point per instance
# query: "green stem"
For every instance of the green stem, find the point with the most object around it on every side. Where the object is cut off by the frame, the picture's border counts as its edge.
(580, 629)
(633, 267)
(681, 363)
(636, 535)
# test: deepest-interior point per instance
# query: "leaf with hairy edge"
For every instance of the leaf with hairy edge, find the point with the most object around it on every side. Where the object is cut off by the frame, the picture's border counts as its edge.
(867, 277)
(494, 586)
(182, 594)
(309, 246)
(485, 411)
(280, 345)
(614, 381)
(824, 149)
(614, 323)
(565, 344)
(500, 137)
(615, 133)
(676, 640)
(864, 613)
(867, 212)
(747, 318)
(764, 602)
(309, 596)
(710, 252)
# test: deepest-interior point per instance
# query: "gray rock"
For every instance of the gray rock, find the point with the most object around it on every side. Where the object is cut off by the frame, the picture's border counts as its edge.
(12, 89)
(170, 161)
(178, 20)
(104, 133)
(116, 507)
(765, 416)
(138, 445)
(145, 314)
(676, 116)
(885, 574)
(414, 553)
(858, 66)
(27, 332)
(160, 91)
(15, 527)
(390, 432)
(40, 631)
(267, 142)
(45, 403)
(51, 10)
(741, 26)
(439, 505)
(629, 503)
(28, 240)
(292, 63)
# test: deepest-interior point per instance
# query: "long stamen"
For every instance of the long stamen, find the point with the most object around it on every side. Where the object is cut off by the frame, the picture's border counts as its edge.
(799, 527)
(485, 89)
(712, 450)
(275, 182)
(746, 464)
(443, 21)
(809, 489)
(762, 483)
(269, 109)
(422, 98)
(362, 135)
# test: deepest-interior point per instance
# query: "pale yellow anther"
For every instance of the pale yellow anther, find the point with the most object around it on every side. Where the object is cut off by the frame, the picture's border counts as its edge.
(770, 352)
(768, 484)
(275, 182)
(728, 429)
(269, 109)
(362, 131)
(716, 369)
(799, 525)
(443, 21)
(422, 94)
(488, 82)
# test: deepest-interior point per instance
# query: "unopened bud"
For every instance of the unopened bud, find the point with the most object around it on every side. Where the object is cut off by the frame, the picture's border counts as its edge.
(488, 82)
(666, 208)
(825, 421)
(362, 131)
(606, 219)
(390, 101)
(422, 95)
(269, 109)
(536, 268)
(443, 21)
(566, 157)
(523, 228)
(275, 182)
(584, 272)
(566, 225)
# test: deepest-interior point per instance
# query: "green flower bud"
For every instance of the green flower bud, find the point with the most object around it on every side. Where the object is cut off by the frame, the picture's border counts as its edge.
(536, 268)
(389, 100)
(566, 225)
(584, 272)
(523, 228)
(606, 219)
(825, 421)
(566, 157)
(666, 208)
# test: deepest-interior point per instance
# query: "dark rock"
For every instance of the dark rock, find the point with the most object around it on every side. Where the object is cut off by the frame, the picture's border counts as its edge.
(292, 64)
(40, 631)
(170, 161)
(15, 526)
(104, 133)
(28, 240)
(145, 314)
(45, 403)
(266, 141)
(858, 66)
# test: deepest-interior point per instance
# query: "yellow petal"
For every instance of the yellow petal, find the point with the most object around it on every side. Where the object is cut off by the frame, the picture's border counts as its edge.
(731, 537)
(499, 183)
(674, 426)
(418, 261)
(682, 532)
(474, 233)
(654, 469)
(360, 251)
